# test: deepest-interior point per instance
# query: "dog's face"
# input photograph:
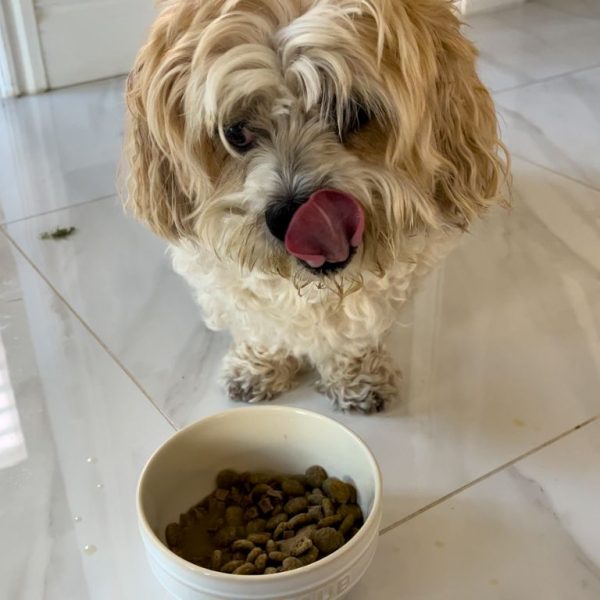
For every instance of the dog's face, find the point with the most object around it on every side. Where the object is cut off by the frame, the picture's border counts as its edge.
(309, 138)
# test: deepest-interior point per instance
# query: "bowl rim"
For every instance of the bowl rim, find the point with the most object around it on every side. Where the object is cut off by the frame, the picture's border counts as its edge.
(170, 556)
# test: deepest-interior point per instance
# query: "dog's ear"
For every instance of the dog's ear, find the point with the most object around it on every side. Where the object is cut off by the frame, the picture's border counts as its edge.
(443, 128)
(473, 163)
(157, 160)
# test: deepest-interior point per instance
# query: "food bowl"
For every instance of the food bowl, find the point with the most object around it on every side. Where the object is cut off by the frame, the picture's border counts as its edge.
(266, 438)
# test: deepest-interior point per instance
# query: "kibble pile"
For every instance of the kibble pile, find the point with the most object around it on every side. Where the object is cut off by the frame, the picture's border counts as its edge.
(256, 523)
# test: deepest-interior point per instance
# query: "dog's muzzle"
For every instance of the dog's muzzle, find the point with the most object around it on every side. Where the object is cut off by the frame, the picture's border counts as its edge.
(322, 231)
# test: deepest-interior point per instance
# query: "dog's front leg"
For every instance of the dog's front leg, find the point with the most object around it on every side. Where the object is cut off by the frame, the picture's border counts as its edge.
(365, 381)
(254, 374)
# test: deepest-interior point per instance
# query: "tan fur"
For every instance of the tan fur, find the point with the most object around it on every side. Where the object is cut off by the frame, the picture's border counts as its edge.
(427, 164)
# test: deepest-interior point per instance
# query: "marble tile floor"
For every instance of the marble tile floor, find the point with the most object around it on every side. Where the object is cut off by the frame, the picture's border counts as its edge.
(491, 461)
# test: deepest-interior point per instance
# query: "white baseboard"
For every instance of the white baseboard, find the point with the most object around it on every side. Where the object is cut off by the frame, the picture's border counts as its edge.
(91, 40)
(470, 7)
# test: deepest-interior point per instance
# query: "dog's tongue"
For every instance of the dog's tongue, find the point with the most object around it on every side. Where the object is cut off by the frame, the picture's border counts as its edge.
(325, 228)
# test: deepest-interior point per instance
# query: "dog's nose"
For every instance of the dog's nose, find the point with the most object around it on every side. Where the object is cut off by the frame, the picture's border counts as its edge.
(280, 212)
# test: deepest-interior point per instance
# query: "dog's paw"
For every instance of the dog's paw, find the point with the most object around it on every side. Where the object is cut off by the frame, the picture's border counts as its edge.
(366, 401)
(253, 375)
(366, 384)
(241, 389)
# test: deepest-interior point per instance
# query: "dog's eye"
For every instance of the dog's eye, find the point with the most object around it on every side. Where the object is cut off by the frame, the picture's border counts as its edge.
(240, 136)
(359, 117)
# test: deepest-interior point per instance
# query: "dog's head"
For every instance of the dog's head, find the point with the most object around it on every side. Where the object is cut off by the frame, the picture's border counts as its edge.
(309, 137)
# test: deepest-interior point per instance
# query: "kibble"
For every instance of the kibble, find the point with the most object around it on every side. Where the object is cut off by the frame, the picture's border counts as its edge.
(251, 513)
(234, 515)
(279, 530)
(256, 478)
(315, 476)
(310, 557)
(242, 545)
(296, 505)
(315, 512)
(221, 494)
(265, 504)
(278, 556)
(173, 534)
(276, 520)
(299, 521)
(292, 487)
(327, 540)
(232, 565)
(225, 536)
(291, 563)
(259, 538)
(315, 499)
(302, 545)
(346, 524)
(261, 561)
(327, 506)
(330, 521)
(254, 554)
(256, 526)
(245, 569)
(337, 490)
(255, 523)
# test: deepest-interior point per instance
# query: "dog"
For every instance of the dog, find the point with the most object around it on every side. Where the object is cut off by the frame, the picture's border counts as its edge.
(309, 161)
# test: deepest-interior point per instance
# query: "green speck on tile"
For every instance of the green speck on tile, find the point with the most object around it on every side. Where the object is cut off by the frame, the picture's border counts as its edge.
(60, 233)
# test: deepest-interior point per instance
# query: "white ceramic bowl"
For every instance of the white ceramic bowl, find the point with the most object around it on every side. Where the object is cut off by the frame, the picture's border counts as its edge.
(265, 438)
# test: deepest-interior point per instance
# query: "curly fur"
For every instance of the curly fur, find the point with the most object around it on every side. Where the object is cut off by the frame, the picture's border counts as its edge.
(425, 166)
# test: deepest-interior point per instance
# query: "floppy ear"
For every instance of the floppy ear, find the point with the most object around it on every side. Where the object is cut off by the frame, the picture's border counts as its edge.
(442, 121)
(473, 162)
(155, 149)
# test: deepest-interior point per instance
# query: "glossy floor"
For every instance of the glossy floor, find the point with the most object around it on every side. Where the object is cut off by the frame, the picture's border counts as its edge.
(491, 462)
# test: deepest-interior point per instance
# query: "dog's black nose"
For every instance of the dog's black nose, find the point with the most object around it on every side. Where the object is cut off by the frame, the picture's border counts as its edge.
(279, 214)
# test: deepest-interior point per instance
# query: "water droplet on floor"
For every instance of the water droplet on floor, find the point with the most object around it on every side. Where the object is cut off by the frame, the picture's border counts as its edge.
(77, 518)
(99, 485)
(89, 548)
(91, 459)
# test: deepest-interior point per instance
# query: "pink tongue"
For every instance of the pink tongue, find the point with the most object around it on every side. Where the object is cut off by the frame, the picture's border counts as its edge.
(325, 228)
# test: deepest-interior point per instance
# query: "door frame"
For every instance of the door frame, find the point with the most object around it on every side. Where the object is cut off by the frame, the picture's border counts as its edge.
(21, 60)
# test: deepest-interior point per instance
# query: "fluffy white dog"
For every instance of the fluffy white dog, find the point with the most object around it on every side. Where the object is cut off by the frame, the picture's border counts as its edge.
(309, 161)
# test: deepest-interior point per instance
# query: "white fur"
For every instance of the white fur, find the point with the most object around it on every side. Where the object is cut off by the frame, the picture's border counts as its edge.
(314, 326)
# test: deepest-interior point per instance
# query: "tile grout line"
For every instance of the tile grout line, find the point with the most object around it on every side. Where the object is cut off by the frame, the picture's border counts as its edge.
(585, 184)
(102, 344)
(58, 209)
(487, 475)
(544, 79)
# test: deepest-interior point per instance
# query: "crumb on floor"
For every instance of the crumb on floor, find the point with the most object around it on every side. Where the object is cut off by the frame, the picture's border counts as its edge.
(59, 233)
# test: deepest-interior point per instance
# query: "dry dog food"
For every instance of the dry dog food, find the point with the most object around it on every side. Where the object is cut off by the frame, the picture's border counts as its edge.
(256, 523)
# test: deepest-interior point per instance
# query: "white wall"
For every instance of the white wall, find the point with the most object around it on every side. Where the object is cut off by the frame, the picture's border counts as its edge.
(83, 40)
